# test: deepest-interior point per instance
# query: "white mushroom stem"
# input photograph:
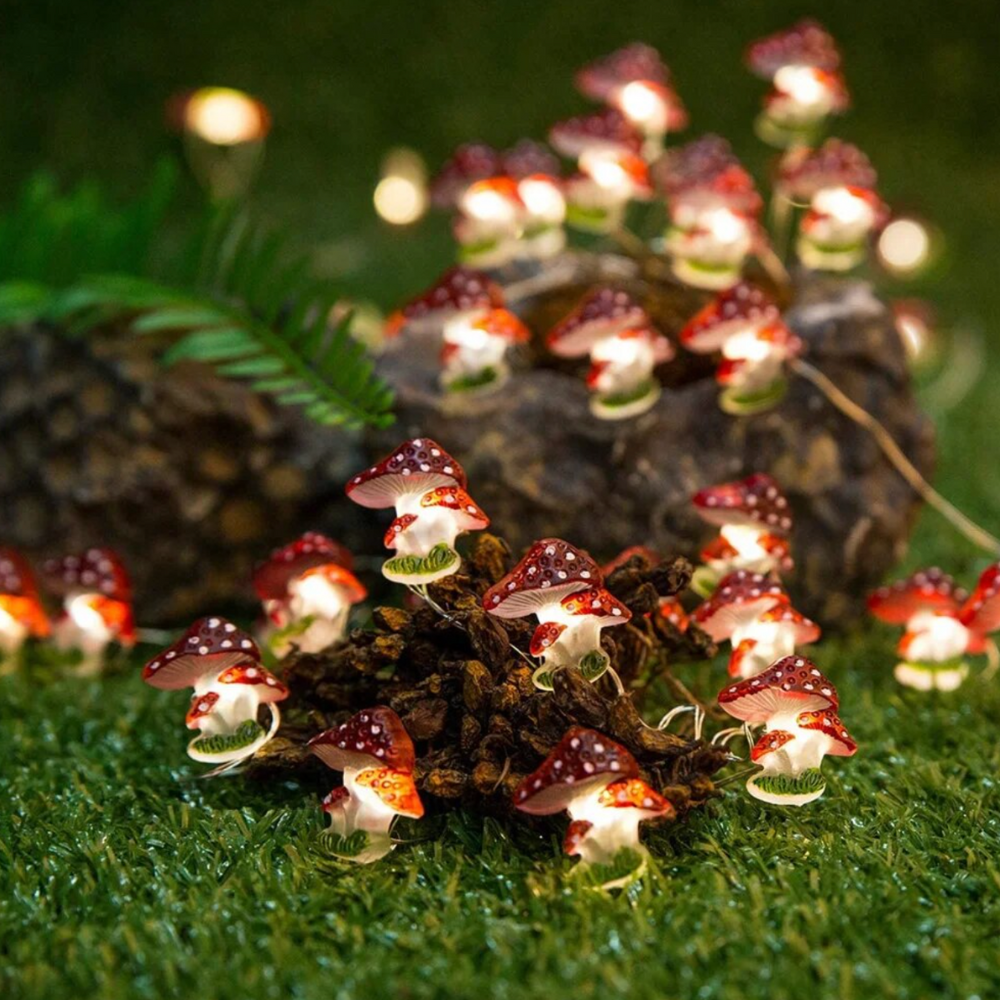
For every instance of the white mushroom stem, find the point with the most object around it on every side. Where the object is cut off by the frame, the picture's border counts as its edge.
(936, 638)
(12, 634)
(313, 596)
(582, 636)
(801, 754)
(433, 526)
(613, 829)
(802, 97)
(765, 642)
(624, 364)
(237, 703)
(476, 350)
(838, 218)
(82, 628)
(363, 811)
(717, 240)
(751, 554)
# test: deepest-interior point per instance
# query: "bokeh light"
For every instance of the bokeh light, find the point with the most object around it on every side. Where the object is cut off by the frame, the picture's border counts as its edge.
(401, 196)
(904, 246)
(225, 117)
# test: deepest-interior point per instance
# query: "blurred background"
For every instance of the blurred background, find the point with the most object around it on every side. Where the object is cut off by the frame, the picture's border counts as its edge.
(86, 84)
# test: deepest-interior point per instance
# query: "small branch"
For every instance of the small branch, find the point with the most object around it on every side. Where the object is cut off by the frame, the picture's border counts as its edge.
(979, 536)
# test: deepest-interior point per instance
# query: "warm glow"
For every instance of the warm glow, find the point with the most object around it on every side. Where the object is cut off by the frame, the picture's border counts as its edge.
(904, 246)
(400, 200)
(225, 117)
(617, 350)
(606, 170)
(542, 199)
(484, 203)
(803, 84)
(641, 104)
(725, 226)
(842, 205)
(84, 615)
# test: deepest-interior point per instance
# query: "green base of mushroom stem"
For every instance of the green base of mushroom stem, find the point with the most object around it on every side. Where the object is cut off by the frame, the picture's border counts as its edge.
(440, 562)
(742, 404)
(932, 676)
(785, 790)
(228, 747)
(623, 405)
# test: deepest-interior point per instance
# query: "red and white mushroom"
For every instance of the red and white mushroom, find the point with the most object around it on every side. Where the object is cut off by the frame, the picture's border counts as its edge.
(835, 232)
(474, 161)
(97, 604)
(21, 613)
(537, 173)
(460, 296)
(377, 758)
(490, 222)
(772, 635)
(740, 597)
(584, 614)
(804, 172)
(474, 355)
(307, 589)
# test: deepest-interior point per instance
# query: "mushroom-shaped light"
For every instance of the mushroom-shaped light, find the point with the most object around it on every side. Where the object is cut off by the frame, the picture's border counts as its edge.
(835, 232)
(223, 665)
(426, 486)
(471, 162)
(740, 597)
(490, 222)
(307, 589)
(610, 326)
(21, 613)
(772, 635)
(97, 604)
(536, 171)
(551, 571)
(376, 756)
(797, 706)
(744, 324)
(804, 172)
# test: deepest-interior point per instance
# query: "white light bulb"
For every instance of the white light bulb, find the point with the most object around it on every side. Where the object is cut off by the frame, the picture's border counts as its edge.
(224, 117)
(904, 246)
(400, 200)
(802, 84)
(641, 104)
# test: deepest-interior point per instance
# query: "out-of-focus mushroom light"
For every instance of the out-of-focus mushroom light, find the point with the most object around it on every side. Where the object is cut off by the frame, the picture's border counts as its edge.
(401, 196)
(225, 117)
(904, 246)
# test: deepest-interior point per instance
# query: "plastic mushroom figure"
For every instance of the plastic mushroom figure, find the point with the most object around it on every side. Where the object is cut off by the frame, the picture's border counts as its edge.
(21, 613)
(744, 325)
(562, 587)
(797, 706)
(307, 589)
(535, 170)
(223, 665)
(97, 605)
(623, 346)
(943, 626)
(772, 635)
(376, 756)
(802, 64)
(471, 162)
(490, 222)
(835, 232)
(597, 782)
(754, 521)
(427, 488)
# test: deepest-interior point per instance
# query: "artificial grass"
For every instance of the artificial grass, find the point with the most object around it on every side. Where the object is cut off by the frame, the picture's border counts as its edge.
(124, 875)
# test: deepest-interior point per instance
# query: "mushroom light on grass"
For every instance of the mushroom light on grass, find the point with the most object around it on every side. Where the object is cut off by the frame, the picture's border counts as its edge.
(223, 665)
(562, 586)
(597, 782)
(97, 605)
(797, 706)
(427, 488)
(744, 325)
(376, 756)
(624, 348)
(21, 613)
(943, 625)
(307, 589)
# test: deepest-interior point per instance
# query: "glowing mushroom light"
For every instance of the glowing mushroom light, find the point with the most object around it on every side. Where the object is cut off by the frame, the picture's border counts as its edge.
(21, 613)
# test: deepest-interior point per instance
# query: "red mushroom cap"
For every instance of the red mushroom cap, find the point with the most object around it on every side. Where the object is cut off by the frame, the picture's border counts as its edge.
(550, 570)
(598, 603)
(827, 722)
(793, 683)
(769, 742)
(756, 501)
(600, 79)
(608, 129)
(16, 577)
(255, 675)
(805, 629)
(374, 737)
(673, 611)
(271, 578)
(981, 612)
(604, 312)
(117, 616)
(503, 323)
(708, 165)
(209, 645)
(806, 43)
(576, 833)
(805, 171)
(470, 516)
(337, 576)
(544, 636)
(459, 290)
(27, 611)
(584, 761)
(740, 597)
(335, 799)
(201, 705)
(100, 571)
(744, 305)
(398, 526)
(718, 548)
(396, 789)
(471, 162)
(634, 793)
(414, 467)
(530, 159)
(926, 590)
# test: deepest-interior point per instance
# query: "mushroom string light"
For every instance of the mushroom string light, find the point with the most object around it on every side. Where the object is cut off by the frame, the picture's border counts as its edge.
(223, 665)
(21, 613)
(427, 488)
(97, 605)
(797, 706)
(943, 625)
(376, 756)
(307, 589)
(624, 349)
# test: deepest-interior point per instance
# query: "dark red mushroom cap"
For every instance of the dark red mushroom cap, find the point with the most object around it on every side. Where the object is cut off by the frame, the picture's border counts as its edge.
(530, 159)
(504, 324)
(414, 467)
(544, 636)
(100, 571)
(584, 761)
(926, 590)
(271, 578)
(792, 684)
(806, 43)
(744, 305)
(740, 597)
(459, 290)
(375, 737)
(836, 163)
(826, 721)
(756, 501)
(805, 630)
(602, 313)
(608, 129)
(694, 164)
(981, 612)
(551, 569)
(398, 526)
(474, 161)
(201, 706)
(16, 577)
(576, 833)
(395, 789)
(336, 798)
(209, 645)
(600, 79)
(769, 742)
(634, 793)
(470, 516)
(254, 675)
(596, 602)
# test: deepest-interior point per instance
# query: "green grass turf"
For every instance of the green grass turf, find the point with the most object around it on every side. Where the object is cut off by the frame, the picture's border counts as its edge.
(122, 875)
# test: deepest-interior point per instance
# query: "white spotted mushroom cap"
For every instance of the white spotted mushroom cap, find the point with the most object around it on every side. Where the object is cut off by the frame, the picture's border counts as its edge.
(98, 571)
(312, 549)
(981, 612)
(793, 684)
(596, 603)
(210, 645)
(468, 514)
(740, 597)
(806, 43)
(826, 721)
(584, 762)
(756, 501)
(416, 466)
(603, 130)
(374, 737)
(551, 570)
(604, 312)
(254, 675)
(742, 308)
(926, 590)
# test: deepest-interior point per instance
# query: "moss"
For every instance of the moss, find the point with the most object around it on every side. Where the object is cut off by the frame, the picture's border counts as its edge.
(783, 784)
(245, 734)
